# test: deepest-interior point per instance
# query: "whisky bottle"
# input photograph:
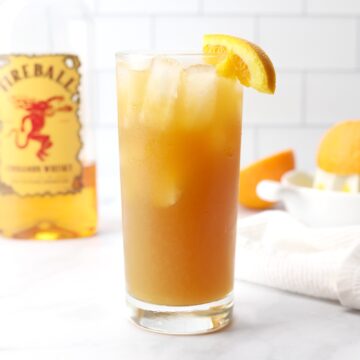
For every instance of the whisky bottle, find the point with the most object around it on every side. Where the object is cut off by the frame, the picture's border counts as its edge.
(47, 167)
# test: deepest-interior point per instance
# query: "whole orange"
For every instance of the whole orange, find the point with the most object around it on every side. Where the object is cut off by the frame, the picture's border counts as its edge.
(269, 168)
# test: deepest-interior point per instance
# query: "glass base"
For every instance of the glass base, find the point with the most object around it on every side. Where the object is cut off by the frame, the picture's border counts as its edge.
(181, 320)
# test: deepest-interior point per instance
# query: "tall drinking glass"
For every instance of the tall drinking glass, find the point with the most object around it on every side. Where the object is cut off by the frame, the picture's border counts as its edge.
(180, 131)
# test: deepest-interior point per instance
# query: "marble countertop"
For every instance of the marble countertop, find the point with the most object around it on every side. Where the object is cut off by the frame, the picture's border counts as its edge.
(64, 300)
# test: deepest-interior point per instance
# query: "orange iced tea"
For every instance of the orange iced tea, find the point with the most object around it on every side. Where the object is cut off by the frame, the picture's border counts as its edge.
(180, 131)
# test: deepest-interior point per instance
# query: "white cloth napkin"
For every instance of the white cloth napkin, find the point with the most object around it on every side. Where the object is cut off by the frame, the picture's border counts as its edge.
(276, 250)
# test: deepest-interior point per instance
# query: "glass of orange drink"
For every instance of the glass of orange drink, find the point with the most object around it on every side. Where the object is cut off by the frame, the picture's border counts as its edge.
(180, 132)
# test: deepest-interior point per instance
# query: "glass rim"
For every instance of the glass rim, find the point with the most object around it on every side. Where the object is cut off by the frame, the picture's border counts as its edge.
(150, 54)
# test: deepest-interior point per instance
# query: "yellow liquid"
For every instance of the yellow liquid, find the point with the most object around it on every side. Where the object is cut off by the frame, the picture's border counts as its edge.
(179, 180)
(51, 217)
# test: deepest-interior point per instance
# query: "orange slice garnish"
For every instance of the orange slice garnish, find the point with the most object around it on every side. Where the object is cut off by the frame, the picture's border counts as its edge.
(242, 59)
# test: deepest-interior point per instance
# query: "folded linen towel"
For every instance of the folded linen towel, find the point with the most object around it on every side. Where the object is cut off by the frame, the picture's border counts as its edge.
(276, 250)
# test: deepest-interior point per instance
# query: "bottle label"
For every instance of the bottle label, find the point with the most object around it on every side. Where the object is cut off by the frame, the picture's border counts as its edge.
(39, 124)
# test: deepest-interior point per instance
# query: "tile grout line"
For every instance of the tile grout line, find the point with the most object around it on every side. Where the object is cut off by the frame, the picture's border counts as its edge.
(200, 9)
(200, 13)
(303, 114)
(357, 43)
(304, 7)
(96, 8)
(256, 29)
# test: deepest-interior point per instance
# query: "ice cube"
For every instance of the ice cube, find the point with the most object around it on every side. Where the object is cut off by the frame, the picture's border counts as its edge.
(161, 93)
(198, 96)
(138, 62)
(229, 99)
(166, 189)
(131, 90)
(324, 180)
(226, 129)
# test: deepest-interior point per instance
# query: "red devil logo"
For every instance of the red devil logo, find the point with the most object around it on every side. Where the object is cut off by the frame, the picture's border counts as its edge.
(37, 112)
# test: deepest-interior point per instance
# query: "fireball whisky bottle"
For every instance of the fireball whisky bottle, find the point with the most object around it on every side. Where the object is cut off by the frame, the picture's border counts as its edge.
(47, 167)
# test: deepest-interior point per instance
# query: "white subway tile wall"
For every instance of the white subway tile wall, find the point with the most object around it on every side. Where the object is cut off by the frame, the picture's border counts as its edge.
(302, 43)
(248, 151)
(284, 107)
(330, 97)
(303, 141)
(185, 33)
(315, 46)
(106, 104)
(338, 7)
(129, 33)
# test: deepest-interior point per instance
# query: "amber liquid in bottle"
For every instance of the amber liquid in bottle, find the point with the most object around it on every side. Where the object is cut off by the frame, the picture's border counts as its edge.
(51, 217)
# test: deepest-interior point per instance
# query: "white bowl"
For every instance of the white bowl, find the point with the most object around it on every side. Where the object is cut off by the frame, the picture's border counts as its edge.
(312, 206)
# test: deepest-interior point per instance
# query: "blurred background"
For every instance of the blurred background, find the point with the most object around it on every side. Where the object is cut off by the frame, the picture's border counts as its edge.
(314, 44)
